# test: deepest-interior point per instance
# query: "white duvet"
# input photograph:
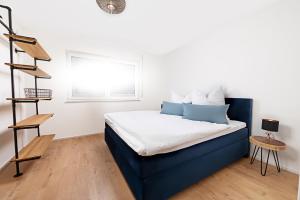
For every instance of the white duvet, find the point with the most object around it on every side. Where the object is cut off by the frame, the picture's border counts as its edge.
(149, 132)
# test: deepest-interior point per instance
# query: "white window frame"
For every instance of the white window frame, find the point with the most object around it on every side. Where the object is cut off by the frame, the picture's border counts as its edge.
(138, 82)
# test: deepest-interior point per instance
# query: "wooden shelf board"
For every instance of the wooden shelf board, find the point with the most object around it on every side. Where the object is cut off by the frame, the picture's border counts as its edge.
(29, 99)
(20, 37)
(34, 50)
(32, 121)
(30, 69)
(36, 148)
(21, 66)
(37, 73)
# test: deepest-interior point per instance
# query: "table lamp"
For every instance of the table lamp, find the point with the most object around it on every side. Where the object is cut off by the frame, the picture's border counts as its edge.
(270, 126)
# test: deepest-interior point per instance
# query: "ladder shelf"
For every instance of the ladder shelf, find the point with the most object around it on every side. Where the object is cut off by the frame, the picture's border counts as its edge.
(36, 148)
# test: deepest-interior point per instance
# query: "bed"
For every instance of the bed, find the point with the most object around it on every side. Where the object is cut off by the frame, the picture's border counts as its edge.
(161, 175)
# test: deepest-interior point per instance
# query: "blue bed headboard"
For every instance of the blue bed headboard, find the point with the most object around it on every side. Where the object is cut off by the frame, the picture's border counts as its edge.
(240, 109)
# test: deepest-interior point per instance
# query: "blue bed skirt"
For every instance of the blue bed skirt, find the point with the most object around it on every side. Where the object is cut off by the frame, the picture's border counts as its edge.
(160, 176)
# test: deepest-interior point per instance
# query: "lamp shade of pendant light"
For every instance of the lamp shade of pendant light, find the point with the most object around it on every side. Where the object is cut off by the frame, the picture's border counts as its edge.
(112, 6)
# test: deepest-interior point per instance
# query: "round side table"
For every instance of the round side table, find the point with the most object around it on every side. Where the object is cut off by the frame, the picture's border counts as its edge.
(269, 144)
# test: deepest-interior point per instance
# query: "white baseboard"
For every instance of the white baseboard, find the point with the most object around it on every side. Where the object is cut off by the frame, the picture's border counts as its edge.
(290, 169)
(76, 136)
(4, 164)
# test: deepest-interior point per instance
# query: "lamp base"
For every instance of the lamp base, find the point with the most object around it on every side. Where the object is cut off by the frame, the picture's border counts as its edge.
(269, 135)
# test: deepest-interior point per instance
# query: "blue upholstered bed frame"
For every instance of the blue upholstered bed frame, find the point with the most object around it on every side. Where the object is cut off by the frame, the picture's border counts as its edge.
(160, 176)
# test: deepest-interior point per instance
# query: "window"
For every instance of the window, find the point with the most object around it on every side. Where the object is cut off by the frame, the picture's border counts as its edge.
(101, 78)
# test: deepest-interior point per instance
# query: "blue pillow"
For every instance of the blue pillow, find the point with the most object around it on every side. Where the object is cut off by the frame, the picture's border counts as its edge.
(209, 113)
(172, 108)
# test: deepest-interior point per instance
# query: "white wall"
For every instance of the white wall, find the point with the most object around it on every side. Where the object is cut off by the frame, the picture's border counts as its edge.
(255, 57)
(75, 119)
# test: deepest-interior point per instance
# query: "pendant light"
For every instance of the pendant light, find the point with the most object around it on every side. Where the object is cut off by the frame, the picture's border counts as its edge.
(112, 6)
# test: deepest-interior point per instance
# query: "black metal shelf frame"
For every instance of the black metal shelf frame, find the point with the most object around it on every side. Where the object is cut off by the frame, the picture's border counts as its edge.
(9, 28)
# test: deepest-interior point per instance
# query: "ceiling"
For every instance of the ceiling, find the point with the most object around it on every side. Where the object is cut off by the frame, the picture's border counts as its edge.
(154, 26)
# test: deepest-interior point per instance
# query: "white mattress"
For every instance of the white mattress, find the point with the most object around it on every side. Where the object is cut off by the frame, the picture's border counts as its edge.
(149, 132)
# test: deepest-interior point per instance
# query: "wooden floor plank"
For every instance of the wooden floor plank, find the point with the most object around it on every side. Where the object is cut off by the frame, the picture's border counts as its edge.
(83, 168)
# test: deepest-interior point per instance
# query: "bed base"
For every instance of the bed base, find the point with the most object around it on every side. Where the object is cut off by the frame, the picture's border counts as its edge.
(168, 182)
(165, 183)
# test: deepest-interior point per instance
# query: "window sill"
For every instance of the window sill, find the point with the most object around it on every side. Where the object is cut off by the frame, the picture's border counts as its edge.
(100, 100)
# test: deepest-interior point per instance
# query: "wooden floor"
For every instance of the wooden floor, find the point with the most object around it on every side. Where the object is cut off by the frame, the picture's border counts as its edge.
(83, 168)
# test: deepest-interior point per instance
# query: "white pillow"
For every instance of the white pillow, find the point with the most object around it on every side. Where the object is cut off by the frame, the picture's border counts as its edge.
(187, 98)
(214, 97)
(199, 98)
(176, 98)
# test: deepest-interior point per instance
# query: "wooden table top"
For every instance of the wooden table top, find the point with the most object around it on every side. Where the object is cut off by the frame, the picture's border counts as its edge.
(268, 143)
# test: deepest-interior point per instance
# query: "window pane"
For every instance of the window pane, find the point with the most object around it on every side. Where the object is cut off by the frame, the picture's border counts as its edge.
(86, 74)
(103, 78)
(123, 80)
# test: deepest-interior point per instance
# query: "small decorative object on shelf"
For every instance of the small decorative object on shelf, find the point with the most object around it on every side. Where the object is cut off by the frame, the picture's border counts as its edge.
(30, 46)
(268, 143)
